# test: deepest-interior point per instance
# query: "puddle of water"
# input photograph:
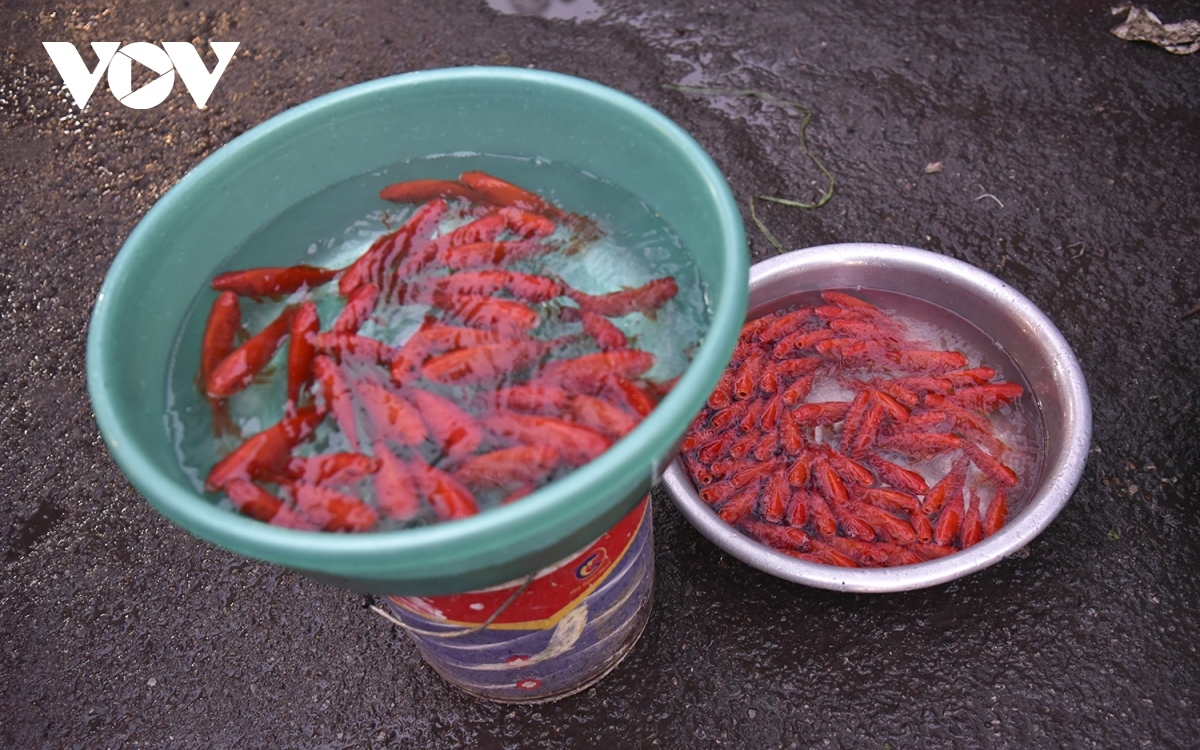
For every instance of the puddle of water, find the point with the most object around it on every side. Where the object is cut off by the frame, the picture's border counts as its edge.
(562, 10)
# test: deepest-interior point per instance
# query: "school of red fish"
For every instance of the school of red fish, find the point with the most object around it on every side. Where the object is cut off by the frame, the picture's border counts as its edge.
(841, 482)
(472, 403)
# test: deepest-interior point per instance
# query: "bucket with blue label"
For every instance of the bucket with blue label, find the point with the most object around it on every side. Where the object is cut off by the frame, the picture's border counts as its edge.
(546, 636)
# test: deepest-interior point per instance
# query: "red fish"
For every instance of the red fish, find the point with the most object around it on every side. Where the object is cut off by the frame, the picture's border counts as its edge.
(395, 487)
(337, 398)
(490, 363)
(973, 376)
(891, 528)
(932, 551)
(776, 494)
(781, 326)
(516, 465)
(821, 514)
(723, 395)
(797, 367)
(334, 510)
(740, 505)
(940, 493)
(855, 413)
(898, 476)
(606, 335)
(797, 510)
(501, 193)
(358, 308)
(645, 299)
(920, 444)
(848, 469)
(526, 224)
(220, 332)
(714, 449)
(949, 521)
(601, 416)
(798, 474)
(257, 503)
(505, 316)
(301, 352)
(929, 361)
(421, 191)
(820, 413)
(972, 528)
(799, 390)
(987, 397)
(252, 500)
(625, 363)
(224, 320)
(888, 499)
(996, 513)
(717, 493)
(867, 431)
(748, 374)
(575, 443)
(991, 466)
(239, 369)
(389, 414)
(458, 433)
(485, 283)
(272, 282)
(478, 254)
(410, 239)
(265, 454)
(342, 469)
(751, 417)
(842, 299)
(437, 338)
(640, 398)
(533, 398)
(532, 287)
(449, 498)
(829, 484)
(484, 229)
(824, 556)
(744, 445)
(851, 526)
(752, 329)
(776, 536)
(352, 346)
(753, 473)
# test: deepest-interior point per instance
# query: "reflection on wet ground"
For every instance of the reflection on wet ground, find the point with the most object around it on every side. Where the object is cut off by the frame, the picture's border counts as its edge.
(568, 10)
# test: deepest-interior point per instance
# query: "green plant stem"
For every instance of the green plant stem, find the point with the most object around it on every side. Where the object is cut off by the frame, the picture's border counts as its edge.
(804, 123)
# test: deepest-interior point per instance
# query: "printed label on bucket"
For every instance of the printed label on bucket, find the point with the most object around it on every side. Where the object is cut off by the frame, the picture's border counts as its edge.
(548, 636)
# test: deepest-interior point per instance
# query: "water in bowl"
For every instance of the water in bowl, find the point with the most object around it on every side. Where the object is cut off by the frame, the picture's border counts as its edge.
(1018, 425)
(335, 226)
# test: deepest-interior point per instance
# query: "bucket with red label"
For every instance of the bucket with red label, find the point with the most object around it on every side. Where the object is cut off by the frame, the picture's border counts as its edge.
(548, 635)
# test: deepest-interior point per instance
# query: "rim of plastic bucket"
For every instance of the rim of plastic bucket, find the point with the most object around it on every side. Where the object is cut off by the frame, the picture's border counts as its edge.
(472, 553)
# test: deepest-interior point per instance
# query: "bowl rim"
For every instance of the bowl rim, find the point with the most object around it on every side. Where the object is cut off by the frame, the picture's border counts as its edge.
(1059, 481)
(422, 549)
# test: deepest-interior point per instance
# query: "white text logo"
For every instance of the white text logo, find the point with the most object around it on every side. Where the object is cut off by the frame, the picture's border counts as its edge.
(166, 61)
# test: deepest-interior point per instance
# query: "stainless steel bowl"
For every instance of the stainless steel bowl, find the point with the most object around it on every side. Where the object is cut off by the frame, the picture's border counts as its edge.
(1016, 325)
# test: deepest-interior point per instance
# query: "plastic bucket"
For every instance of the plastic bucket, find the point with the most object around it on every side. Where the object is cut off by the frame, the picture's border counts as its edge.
(165, 265)
(548, 635)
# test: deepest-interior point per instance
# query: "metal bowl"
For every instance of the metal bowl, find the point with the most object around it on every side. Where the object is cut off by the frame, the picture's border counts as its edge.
(1012, 321)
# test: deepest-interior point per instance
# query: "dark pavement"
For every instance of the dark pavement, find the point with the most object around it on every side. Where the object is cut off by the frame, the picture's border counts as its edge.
(118, 629)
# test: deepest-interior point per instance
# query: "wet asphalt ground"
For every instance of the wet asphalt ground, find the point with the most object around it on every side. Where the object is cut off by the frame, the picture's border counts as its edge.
(1070, 168)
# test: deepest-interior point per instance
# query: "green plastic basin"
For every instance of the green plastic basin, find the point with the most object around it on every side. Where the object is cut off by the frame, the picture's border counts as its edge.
(176, 249)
